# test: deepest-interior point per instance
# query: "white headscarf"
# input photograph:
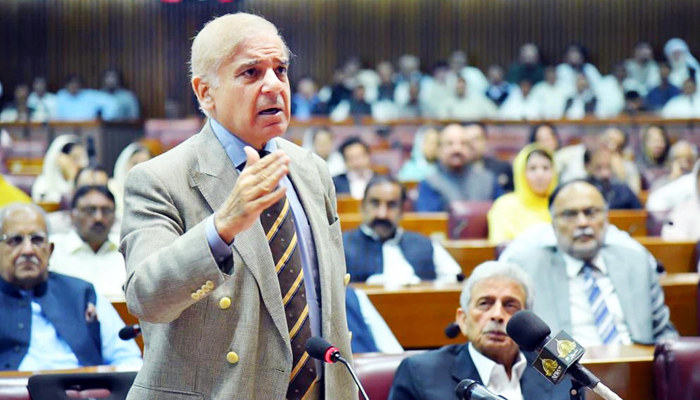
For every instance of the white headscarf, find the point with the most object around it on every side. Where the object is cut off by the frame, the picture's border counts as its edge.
(50, 186)
(116, 184)
(679, 70)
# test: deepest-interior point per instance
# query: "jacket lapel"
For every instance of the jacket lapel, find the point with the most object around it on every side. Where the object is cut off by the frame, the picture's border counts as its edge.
(558, 289)
(464, 367)
(214, 177)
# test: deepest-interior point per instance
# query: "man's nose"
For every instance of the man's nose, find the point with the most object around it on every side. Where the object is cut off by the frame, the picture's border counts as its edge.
(26, 247)
(271, 83)
(581, 220)
(498, 312)
(382, 211)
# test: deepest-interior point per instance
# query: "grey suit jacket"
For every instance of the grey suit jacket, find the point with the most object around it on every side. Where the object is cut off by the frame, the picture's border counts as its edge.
(197, 347)
(632, 275)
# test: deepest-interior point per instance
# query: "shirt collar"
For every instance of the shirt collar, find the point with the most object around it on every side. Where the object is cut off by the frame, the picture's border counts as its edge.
(74, 243)
(485, 365)
(373, 235)
(574, 265)
(233, 145)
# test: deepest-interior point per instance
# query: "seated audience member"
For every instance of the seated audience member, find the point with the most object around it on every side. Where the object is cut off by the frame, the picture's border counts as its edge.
(126, 103)
(436, 91)
(387, 83)
(476, 134)
(642, 68)
(132, 155)
(583, 103)
(568, 160)
(550, 96)
(73, 103)
(681, 158)
(456, 178)
(320, 142)
(62, 161)
(599, 294)
(672, 194)
(681, 61)
(423, 155)
(612, 90)
(467, 105)
(459, 66)
(514, 212)
(520, 104)
(617, 195)
(381, 252)
(684, 221)
(659, 95)
(370, 333)
(355, 106)
(19, 110)
(546, 136)
(411, 107)
(634, 104)
(528, 66)
(357, 161)
(652, 157)
(575, 64)
(624, 168)
(51, 321)
(305, 101)
(41, 101)
(11, 194)
(686, 105)
(498, 89)
(86, 251)
(492, 294)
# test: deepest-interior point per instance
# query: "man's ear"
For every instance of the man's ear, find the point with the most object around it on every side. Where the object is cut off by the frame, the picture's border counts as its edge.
(202, 90)
(461, 318)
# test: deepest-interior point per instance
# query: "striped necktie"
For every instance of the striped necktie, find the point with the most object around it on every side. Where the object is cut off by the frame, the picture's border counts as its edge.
(278, 223)
(604, 320)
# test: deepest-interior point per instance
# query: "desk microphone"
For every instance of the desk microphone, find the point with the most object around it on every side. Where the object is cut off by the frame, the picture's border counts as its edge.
(452, 330)
(320, 349)
(129, 332)
(472, 390)
(556, 356)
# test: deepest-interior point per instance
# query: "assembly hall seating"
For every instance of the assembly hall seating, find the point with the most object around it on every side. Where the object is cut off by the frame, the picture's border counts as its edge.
(677, 369)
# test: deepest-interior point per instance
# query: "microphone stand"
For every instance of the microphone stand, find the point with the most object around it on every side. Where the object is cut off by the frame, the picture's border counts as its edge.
(576, 392)
(354, 377)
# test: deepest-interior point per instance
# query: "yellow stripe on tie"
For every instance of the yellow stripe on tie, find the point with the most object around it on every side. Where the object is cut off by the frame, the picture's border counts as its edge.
(299, 366)
(295, 329)
(287, 253)
(278, 221)
(294, 288)
(310, 391)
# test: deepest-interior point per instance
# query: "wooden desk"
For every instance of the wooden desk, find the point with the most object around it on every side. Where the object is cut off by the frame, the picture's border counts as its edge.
(128, 319)
(13, 384)
(470, 252)
(633, 222)
(348, 205)
(429, 224)
(676, 256)
(419, 314)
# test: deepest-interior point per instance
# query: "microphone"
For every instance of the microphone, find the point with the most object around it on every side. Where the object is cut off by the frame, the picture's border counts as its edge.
(472, 390)
(452, 330)
(556, 356)
(129, 332)
(320, 349)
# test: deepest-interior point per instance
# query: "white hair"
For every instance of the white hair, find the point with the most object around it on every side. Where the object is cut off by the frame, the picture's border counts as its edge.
(10, 208)
(497, 269)
(679, 144)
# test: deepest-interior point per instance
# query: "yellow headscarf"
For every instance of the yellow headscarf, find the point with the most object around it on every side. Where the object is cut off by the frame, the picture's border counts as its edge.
(522, 188)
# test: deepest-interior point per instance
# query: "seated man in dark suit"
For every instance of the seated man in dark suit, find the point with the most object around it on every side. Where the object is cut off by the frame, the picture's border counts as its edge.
(49, 320)
(380, 252)
(359, 169)
(492, 294)
(618, 196)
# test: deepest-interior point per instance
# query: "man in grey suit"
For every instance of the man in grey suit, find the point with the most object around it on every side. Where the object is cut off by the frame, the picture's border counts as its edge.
(599, 293)
(233, 247)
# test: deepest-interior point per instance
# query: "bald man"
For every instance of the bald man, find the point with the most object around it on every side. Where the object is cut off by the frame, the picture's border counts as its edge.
(233, 248)
(573, 277)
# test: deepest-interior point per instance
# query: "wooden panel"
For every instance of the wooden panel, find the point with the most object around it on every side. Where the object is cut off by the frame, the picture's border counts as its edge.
(469, 253)
(348, 205)
(128, 319)
(633, 222)
(418, 314)
(429, 224)
(149, 40)
(677, 257)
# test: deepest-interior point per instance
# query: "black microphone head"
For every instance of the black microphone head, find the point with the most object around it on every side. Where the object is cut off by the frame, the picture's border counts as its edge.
(317, 347)
(452, 330)
(463, 387)
(129, 332)
(527, 330)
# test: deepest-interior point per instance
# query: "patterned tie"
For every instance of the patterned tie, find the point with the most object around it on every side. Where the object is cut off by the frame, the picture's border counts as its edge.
(604, 320)
(278, 223)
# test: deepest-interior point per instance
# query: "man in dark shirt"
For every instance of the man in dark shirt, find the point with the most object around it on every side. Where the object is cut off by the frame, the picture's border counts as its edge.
(660, 95)
(598, 162)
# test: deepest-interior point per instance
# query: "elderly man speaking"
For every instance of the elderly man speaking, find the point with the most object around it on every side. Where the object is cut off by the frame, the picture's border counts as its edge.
(233, 247)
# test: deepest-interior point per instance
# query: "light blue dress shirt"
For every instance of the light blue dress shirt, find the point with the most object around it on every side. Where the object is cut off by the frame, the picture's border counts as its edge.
(47, 350)
(221, 250)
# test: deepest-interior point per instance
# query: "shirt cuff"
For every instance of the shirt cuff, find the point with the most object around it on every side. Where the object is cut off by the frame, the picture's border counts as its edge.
(219, 249)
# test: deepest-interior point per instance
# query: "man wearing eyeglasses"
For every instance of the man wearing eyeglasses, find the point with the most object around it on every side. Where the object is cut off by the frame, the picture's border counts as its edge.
(602, 294)
(86, 251)
(49, 320)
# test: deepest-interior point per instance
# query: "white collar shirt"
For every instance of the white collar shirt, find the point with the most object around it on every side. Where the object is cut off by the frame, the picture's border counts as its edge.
(494, 375)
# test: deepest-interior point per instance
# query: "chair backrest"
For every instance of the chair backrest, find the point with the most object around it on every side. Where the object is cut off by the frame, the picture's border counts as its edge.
(376, 372)
(677, 369)
(54, 386)
(468, 219)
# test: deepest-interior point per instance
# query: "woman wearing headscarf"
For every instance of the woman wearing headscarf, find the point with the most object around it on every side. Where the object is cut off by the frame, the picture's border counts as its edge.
(653, 154)
(64, 158)
(423, 155)
(535, 180)
(132, 154)
(681, 61)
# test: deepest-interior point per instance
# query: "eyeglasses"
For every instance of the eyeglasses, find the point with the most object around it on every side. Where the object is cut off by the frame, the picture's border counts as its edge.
(37, 239)
(92, 211)
(589, 213)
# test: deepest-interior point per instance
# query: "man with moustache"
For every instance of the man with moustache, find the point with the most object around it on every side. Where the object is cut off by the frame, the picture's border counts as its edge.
(380, 252)
(492, 294)
(456, 178)
(600, 294)
(86, 251)
(598, 163)
(50, 320)
(233, 248)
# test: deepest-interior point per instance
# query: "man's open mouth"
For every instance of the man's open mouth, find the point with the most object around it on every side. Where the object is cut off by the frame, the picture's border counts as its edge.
(270, 111)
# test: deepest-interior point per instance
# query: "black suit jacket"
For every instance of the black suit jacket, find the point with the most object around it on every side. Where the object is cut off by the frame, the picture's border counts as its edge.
(435, 374)
(503, 171)
(342, 184)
